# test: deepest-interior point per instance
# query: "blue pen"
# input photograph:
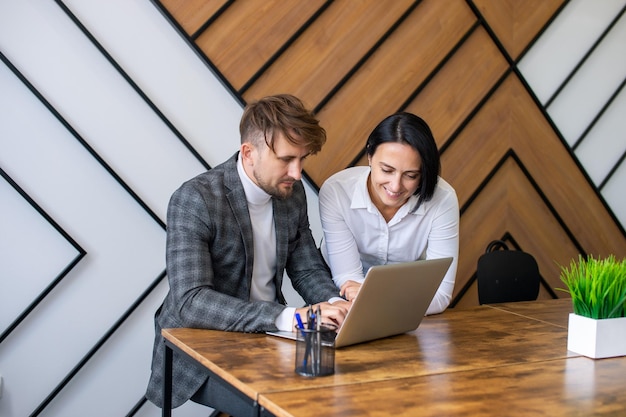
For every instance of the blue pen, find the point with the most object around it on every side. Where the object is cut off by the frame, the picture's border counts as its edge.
(299, 320)
(304, 335)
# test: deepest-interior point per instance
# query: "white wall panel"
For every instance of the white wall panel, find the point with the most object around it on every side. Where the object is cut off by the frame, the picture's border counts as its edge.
(159, 60)
(606, 142)
(584, 96)
(551, 60)
(564, 44)
(176, 81)
(119, 372)
(614, 194)
(124, 250)
(82, 85)
(89, 92)
(25, 233)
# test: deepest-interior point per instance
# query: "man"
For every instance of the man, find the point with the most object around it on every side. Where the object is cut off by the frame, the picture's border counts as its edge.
(231, 233)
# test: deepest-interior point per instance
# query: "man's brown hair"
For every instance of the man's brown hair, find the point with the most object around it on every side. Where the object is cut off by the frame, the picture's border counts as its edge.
(283, 113)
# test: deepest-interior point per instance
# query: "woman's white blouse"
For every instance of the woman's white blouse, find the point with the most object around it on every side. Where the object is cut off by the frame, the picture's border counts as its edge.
(356, 236)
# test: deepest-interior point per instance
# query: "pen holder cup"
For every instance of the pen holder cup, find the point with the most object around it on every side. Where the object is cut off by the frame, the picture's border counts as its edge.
(315, 353)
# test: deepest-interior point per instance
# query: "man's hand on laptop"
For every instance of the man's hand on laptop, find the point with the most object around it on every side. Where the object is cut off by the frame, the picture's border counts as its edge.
(350, 289)
(332, 314)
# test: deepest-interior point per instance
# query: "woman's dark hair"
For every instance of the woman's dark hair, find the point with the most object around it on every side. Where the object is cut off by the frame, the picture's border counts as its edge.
(408, 128)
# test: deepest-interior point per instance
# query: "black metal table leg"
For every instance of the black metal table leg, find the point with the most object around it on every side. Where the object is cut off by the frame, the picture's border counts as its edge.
(252, 408)
(167, 381)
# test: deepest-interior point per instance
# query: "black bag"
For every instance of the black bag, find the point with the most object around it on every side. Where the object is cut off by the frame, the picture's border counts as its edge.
(506, 275)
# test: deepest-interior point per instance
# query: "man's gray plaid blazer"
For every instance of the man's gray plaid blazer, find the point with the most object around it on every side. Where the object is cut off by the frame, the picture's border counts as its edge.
(209, 260)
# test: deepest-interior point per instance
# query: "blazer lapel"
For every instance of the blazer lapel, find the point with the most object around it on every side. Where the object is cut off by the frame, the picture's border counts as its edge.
(237, 199)
(281, 225)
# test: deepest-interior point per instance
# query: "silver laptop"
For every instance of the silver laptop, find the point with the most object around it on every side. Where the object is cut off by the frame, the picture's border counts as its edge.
(392, 300)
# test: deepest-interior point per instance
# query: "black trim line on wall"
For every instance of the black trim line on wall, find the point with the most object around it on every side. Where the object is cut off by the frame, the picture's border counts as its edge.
(284, 47)
(118, 323)
(310, 181)
(573, 156)
(199, 53)
(344, 80)
(194, 36)
(584, 59)
(547, 117)
(79, 138)
(111, 172)
(423, 85)
(543, 108)
(613, 170)
(541, 31)
(132, 83)
(599, 115)
(490, 32)
(510, 154)
(138, 405)
(440, 65)
(475, 110)
(81, 253)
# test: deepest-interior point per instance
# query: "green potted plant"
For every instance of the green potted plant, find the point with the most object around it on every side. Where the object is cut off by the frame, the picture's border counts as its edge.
(597, 327)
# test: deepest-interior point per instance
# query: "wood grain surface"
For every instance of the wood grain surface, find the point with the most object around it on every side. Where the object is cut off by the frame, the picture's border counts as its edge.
(504, 350)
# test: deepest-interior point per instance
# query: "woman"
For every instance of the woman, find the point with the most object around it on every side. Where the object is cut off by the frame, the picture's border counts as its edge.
(396, 210)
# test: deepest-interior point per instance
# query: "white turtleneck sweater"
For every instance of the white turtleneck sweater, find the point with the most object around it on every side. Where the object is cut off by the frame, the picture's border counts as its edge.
(264, 240)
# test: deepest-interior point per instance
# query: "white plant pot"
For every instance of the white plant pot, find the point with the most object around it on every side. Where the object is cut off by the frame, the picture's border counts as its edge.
(596, 338)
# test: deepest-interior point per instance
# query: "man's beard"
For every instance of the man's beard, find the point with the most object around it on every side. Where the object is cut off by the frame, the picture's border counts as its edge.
(274, 191)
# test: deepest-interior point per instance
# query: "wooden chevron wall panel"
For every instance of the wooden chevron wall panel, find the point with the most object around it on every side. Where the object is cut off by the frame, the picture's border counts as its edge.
(516, 23)
(192, 14)
(452, 62)
(373, 93)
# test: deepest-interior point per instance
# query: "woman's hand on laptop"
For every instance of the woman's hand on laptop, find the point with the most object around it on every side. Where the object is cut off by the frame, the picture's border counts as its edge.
(350, 289)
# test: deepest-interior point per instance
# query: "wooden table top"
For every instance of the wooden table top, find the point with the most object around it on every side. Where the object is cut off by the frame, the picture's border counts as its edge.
(477, 361)
(560, 387)
(551, 311)
(457, 340)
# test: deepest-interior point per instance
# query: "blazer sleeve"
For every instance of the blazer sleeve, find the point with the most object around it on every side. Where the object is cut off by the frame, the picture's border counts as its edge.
(306, 268)
(206, 266)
